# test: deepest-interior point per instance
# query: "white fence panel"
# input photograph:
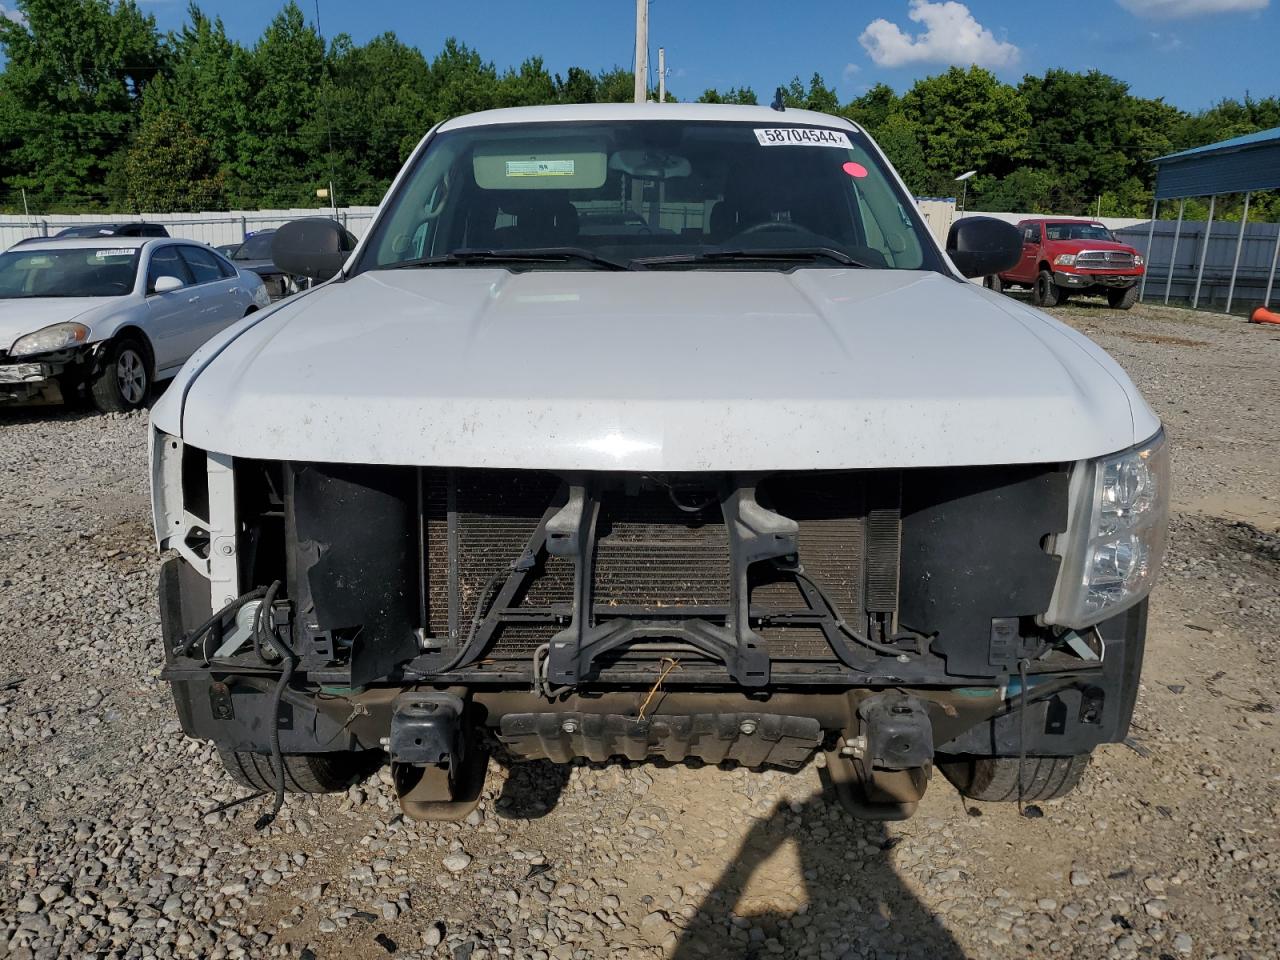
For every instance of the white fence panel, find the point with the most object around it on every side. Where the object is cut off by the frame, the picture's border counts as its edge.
(213, 227)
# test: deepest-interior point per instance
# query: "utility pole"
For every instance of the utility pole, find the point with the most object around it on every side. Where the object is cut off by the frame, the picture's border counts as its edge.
(642, 51)
(25, 211)
(662, 75)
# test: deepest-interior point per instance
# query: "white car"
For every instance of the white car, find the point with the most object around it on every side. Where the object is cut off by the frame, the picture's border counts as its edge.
(112, 314)
(766, 479)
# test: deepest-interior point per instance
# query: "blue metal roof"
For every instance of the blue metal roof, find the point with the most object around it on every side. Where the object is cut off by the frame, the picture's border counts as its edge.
(1241, 164)
(1248, 140)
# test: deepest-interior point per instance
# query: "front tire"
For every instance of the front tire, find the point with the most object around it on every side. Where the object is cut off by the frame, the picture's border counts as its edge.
(1046, 291)
(994, 283)
(123, 382)
(303, 772)
(995, 779)
(1123, 299)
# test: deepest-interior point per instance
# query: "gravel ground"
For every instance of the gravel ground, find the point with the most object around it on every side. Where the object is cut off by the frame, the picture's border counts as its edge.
(114, 839)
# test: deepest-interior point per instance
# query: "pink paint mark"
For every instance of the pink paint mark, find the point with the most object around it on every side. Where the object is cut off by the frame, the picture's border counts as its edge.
(855, 169)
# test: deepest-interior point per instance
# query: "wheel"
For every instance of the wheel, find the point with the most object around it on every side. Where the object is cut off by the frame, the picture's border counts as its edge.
(123, 381)
(996, 778)
(994, 283)
(1045, 293)
(1123, 299)
(303, 772)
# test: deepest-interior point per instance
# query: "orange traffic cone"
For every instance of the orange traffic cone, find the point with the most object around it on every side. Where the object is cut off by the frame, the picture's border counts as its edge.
(1263, 315)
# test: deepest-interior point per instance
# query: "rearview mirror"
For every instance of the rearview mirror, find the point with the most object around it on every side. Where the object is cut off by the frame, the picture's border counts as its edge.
(167, 284)
(315, 247)
(980, 246)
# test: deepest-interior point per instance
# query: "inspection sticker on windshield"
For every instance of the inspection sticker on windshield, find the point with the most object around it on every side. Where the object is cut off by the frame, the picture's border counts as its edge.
(120, 252)
(539, 168)
(802, 137)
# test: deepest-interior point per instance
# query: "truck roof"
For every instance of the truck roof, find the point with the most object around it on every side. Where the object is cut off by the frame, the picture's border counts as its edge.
(724, 112)
(1062, 220)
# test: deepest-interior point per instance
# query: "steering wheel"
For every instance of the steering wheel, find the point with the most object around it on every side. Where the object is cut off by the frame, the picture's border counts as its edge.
(772, 226)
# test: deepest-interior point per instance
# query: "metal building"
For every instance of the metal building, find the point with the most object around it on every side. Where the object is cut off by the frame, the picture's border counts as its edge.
(1240, 165)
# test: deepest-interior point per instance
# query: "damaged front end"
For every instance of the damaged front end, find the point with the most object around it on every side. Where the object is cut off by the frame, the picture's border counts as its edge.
(884, 619)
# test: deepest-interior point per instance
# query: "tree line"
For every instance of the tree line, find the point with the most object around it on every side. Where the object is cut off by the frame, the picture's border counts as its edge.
(100, 110)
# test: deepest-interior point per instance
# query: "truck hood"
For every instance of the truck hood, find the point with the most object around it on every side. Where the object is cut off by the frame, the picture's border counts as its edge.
(1075, 246)
(20, 316)
(656, 371)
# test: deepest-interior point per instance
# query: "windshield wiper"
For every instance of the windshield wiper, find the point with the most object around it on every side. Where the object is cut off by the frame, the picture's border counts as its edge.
(765, 254)
(527, 255)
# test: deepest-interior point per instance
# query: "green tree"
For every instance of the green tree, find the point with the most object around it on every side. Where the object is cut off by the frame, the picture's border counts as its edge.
(578, 86)
(967, 119)
(282, 158)
(207, 85)
(74, 73)
(739, 95)
(871, 110)
(170, 167)
(374, 126)
(461, 82)
(899, 137)
(816, 96)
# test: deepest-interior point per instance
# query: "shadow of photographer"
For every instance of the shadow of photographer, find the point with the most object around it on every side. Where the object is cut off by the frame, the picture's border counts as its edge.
(849, 903)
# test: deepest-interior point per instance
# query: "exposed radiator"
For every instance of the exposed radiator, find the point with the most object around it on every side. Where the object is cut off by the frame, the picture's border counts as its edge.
(657, 548)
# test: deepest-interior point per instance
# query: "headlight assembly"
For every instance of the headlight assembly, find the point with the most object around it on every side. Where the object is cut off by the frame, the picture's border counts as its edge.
(58, 336)
(1115, 536)
(1064, 260)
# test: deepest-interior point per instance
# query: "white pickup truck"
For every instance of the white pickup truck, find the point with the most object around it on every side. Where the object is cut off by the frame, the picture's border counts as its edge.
(752, 477)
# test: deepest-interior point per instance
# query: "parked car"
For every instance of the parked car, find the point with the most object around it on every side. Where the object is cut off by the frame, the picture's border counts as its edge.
(784, 488)
(227, 249)
(1066, 257)
(112, 316)
(114, 230)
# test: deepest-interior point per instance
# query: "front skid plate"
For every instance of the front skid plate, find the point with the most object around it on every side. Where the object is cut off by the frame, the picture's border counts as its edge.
(752, 739)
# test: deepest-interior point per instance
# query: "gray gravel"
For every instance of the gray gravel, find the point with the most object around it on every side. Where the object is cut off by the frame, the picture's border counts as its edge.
(115, 838)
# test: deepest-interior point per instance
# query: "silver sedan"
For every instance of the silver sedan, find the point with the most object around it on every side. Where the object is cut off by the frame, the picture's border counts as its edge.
(112, 315)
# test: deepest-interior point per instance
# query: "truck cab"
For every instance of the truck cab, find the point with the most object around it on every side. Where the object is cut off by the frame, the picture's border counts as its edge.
(1063, 257)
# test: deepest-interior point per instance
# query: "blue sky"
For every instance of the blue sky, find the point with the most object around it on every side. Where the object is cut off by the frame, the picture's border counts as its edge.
(1191, 52)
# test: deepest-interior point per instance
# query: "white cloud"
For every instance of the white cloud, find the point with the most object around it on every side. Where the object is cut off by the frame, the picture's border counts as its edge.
(951, 35)
(1159, 9)
(1166, 42)
(12, 14)
(850, 70)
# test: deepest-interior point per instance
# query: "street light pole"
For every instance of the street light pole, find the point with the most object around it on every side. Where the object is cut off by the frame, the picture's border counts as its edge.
(963, 180)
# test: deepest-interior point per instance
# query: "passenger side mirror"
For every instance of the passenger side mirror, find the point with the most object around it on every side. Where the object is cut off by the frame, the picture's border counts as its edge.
(979, 246)
(315, 247)
(167, 284)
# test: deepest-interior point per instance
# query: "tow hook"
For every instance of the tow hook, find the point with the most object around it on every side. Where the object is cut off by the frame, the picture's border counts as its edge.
(881, 773)
(437, 768)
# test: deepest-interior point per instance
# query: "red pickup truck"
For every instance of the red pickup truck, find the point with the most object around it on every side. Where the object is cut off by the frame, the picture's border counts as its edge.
(1061, 257)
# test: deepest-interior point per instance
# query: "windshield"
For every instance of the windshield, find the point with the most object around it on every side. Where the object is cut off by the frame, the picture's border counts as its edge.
(257, 247)
(81, 272)
(650, 194)
(1078, 231)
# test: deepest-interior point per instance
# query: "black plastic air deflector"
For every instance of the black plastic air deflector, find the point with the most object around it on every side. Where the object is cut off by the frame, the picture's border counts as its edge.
(353, 574)
(972, 552)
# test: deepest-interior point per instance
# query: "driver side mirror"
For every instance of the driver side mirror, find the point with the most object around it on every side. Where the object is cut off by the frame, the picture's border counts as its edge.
(167, 284)
(315, 247)
(979, 246)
